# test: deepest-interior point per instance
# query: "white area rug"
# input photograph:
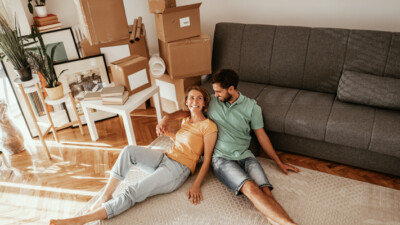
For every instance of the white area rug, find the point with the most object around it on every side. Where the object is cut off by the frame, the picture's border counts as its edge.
(310, 197)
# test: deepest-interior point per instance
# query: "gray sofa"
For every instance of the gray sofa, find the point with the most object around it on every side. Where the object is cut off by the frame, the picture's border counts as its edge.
(332, 94)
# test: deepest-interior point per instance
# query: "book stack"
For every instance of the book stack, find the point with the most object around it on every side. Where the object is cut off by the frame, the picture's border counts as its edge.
(114, 95)
(47, 23)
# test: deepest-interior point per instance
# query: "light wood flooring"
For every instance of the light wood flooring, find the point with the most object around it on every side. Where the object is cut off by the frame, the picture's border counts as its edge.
(33, 189)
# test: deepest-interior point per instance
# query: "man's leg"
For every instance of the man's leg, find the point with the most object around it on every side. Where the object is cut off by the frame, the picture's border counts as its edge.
(265, 203)
(235, 175)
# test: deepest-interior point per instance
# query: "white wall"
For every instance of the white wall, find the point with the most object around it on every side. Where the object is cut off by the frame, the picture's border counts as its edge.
(354, 14)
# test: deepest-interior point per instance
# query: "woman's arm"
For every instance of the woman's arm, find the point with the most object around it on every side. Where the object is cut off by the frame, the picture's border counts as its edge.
(194, 193)
(162, 127)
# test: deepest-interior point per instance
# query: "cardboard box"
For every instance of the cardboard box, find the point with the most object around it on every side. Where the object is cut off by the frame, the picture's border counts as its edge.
(172, 91)
(178, 23)
(136, 48)
(187, 58)
(131, 72)
(102, 21)
(158, 6)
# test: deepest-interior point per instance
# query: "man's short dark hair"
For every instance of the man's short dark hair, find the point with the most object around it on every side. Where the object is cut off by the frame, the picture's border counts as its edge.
(226, 78)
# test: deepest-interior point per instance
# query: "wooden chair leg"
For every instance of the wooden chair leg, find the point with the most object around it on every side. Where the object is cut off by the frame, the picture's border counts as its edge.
(34, 118)
(48, 114)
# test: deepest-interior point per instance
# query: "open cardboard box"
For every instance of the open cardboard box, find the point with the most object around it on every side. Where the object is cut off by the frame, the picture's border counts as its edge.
(158, 6)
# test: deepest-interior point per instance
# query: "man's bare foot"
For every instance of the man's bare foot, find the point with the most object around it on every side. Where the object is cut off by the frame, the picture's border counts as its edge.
(71, 221)
(98, 203)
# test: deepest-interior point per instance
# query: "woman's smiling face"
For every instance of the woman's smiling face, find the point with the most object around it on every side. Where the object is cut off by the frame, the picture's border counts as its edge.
(195, 101)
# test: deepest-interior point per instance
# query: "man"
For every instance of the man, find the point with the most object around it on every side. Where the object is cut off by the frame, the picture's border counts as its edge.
(233, 163)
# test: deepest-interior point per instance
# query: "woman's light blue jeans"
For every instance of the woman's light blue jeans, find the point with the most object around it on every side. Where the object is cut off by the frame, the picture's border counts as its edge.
(166, 176)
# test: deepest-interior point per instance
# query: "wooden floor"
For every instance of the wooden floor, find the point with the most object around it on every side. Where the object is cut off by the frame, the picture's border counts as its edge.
(33, 189)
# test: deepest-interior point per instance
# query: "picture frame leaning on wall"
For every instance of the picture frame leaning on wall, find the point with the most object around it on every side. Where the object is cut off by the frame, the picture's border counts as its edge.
(81, 76)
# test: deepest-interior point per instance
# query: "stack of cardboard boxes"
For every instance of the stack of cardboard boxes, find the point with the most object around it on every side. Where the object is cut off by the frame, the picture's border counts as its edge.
(105, 27)
(184, 48)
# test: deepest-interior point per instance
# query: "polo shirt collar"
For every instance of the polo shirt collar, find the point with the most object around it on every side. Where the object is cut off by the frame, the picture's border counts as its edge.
(238, 101)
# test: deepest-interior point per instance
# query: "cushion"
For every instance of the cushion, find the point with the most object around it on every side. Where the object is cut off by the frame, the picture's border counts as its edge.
(369, 90)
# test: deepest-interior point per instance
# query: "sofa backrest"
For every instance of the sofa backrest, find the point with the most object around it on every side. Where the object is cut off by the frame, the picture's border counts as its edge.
(303, 57)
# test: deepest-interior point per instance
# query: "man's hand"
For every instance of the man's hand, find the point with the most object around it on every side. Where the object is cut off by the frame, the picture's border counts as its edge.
(194, 195)
(162, 127)
(286, 167)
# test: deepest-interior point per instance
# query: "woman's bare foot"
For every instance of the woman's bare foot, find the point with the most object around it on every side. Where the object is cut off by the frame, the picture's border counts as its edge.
(98, 203)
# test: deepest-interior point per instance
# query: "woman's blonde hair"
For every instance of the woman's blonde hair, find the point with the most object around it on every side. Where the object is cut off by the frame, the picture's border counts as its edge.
(203, 91)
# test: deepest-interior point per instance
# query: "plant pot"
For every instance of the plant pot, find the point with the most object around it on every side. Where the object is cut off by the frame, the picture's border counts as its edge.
(24, 74)
(55, 93)
(41, 11)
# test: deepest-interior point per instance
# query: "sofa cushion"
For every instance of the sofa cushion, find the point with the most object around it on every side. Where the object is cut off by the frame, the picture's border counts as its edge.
(392, 68)
(325, 56)
(308, 115)
(367, 51)
(370, 90)
(289, 56)
(275, 103)
(256, 51)
(227, 45)
(386, 133)
(350, 125)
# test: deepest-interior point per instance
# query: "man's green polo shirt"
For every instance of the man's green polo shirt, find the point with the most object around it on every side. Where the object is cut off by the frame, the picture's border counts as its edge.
(234, 125)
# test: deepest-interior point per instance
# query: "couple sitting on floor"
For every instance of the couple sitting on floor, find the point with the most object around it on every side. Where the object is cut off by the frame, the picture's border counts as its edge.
(226, 148)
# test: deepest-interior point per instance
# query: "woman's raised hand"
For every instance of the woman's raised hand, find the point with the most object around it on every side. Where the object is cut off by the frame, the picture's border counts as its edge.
(194, 195)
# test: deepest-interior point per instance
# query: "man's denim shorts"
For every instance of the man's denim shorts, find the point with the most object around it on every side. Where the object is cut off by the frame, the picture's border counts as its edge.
(234, 173)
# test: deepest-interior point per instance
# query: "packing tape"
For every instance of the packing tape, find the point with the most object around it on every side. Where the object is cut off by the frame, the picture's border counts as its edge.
(157, 66)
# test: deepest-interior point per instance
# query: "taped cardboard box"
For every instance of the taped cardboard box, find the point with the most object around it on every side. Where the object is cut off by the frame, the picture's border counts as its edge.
(187, 58)
(178, 23)
(131, 72)
(158, 6)
(173, 90)
(102, 21)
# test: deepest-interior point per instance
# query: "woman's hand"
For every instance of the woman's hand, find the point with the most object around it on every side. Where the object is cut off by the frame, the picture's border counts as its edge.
(286, 167)
(194, 195)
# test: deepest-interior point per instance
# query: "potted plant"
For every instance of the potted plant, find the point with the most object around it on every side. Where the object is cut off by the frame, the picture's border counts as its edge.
(40, 7)
(43, 64)
(12, 46)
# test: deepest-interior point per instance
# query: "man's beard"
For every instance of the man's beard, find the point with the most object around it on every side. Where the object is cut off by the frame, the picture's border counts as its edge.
(227, 99)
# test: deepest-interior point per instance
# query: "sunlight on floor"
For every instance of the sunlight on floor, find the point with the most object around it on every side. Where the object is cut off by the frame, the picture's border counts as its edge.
(50, 189)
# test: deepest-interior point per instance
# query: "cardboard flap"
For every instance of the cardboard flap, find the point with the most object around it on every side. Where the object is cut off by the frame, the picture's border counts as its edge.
(203, 38)
(133, 59)
(181, 8)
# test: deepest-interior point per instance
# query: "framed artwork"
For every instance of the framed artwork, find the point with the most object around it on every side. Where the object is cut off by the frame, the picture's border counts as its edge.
(82, 76)
(66, 50)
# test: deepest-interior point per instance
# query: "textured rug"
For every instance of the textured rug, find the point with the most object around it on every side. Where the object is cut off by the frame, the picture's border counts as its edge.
(310, 197)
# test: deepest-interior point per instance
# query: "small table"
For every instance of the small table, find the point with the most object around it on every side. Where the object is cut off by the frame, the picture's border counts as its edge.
(124, 111)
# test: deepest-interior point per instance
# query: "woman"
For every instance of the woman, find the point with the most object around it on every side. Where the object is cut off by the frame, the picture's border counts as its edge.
(169, 170)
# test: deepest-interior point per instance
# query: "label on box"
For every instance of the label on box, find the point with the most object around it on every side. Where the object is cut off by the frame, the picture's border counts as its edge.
(138, 79)
(184, 22)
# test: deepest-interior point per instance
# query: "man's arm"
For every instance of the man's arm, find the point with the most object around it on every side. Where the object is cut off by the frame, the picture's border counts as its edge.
(266, 145)
(162, 127)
